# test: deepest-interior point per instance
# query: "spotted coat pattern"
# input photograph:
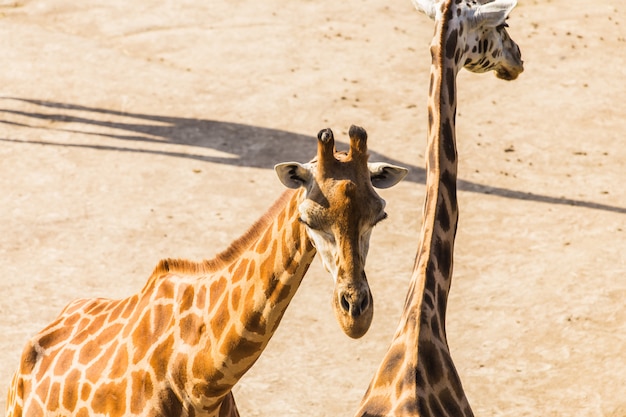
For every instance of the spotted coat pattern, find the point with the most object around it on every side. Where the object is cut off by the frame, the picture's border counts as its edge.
(417, 376)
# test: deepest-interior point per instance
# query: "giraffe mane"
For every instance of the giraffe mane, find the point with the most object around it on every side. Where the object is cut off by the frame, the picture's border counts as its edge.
(230, 254)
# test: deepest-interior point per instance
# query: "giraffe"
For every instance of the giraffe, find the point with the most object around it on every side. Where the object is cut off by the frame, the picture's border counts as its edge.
(179, 345)
(417, 376)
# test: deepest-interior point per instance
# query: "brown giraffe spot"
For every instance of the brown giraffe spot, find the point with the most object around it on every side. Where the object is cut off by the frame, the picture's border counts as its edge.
(431, 119)
(448, 141)
(70, 389)
(110, 399)
(141, 391)
(85, 391)
(289, 263)
(64, 362)
(203, 368)
(179, 371)
(191, 329)
(163, 318)
(240, 271)
(220, 319)
(281, 294)
(235, 296)
(89, 351)
(83, 412)
(171, 405)
(71, 320)
(431, 359)
(267, 266)
(161, 357)
(187, 299)
(54, 337)
(216, 290)
(213, 390)
(34, 410)
(254, 322)
(142, 337)
(249, 302)
(166, 289)
(264, 241)
(450, 85)
(201, 297)
(442, 251)
(29, 359)
(52, 402)
(239, 348)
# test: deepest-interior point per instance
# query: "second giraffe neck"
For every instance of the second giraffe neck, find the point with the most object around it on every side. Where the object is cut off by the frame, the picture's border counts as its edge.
(433, 268)
(417, 369)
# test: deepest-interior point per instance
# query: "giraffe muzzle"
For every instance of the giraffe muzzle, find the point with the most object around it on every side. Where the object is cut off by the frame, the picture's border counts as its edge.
(354, 310)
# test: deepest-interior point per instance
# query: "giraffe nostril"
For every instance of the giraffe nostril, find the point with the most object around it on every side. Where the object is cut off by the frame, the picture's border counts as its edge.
(365, 302)
(345, 304)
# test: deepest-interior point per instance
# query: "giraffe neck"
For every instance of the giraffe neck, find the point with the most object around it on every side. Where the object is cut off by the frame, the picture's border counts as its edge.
(417, 376)
(246, 300)
(432, 272)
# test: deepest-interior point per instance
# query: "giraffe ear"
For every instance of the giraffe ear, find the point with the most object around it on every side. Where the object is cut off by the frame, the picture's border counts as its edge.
(428, 7)
(386, 175)
(493, 14)
(293, 174)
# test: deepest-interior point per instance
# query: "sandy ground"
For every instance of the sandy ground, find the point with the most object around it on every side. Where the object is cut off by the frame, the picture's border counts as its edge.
(134, 131)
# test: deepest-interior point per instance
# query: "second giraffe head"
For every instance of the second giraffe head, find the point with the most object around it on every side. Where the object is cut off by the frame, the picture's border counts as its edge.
(339, 210)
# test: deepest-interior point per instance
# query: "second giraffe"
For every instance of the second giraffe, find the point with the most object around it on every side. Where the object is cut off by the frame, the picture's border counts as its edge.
(417, 376)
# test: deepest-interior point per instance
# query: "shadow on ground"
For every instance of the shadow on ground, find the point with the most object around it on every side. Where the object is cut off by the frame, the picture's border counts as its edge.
(243, 145)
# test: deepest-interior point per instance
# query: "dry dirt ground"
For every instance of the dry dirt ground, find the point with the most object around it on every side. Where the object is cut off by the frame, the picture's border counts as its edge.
(134, 131)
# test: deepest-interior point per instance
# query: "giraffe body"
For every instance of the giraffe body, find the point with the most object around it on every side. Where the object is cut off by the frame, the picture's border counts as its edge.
(177, 347)
(417, 376)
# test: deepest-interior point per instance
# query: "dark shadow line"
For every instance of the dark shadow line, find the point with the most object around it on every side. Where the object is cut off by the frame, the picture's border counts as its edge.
(238, 139)
(462, 184)
(122, 149)
(521, 195)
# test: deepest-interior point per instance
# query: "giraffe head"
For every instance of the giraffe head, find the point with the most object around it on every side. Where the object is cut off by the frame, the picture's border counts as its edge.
(339, 209)
(482, 43)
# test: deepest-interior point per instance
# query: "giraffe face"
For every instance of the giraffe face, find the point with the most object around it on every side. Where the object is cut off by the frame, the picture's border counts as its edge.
(494, 50)
(488, 45)
(339, 210)
(478, 37)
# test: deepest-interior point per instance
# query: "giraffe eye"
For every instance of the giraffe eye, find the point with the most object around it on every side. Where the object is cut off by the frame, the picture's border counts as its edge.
(301, 220)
